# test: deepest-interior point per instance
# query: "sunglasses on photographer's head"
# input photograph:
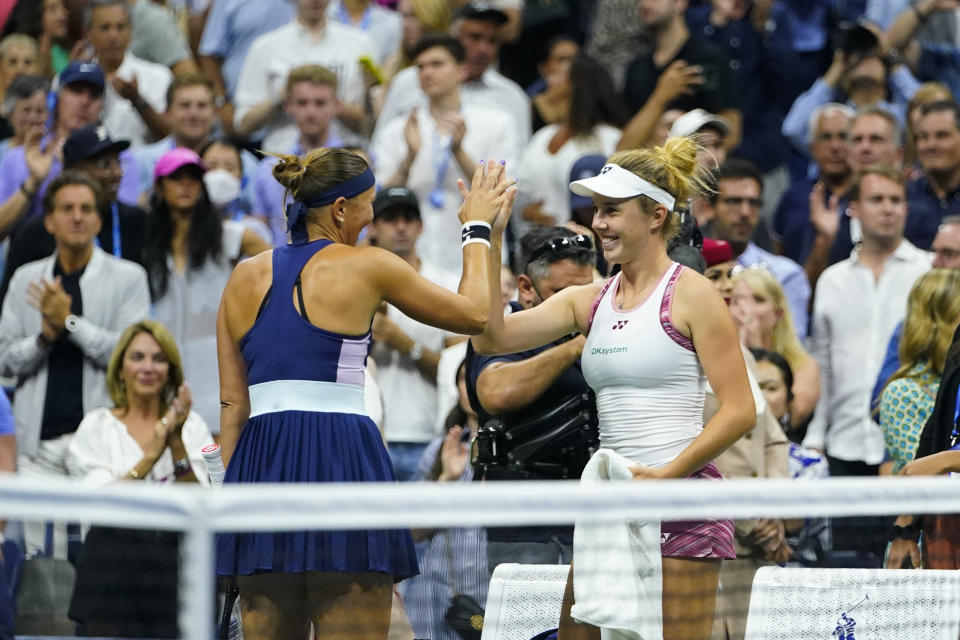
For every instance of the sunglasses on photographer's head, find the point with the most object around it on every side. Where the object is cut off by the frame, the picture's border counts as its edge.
(559, 245)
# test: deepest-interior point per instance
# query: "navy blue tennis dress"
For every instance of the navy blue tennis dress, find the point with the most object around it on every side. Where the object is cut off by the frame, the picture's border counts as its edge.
(308, 424)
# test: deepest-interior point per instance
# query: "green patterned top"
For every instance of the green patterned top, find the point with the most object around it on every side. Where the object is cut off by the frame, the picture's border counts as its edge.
(905, 405)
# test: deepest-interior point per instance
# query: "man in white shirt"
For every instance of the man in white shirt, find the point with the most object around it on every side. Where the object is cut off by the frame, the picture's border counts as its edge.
(191, 116)
(443, 141)
(384, 27)
(406, 352)
(311, 102)
(857, 304)
(310, 38)
(475, 25)
(136, 89)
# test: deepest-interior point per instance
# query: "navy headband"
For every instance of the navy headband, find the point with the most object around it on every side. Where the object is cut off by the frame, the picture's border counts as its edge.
(297, 209)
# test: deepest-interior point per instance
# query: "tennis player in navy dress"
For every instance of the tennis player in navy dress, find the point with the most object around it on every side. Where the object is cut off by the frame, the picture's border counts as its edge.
(293, 334)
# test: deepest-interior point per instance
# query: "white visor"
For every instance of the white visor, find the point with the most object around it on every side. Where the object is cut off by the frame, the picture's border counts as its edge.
(614, 181)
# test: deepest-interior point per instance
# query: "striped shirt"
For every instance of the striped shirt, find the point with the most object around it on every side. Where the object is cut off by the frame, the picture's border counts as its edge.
(427, 596)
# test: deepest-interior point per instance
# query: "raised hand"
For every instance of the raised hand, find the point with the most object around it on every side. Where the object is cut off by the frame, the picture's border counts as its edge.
(743, 312)
(53, 303)
(411, 134)
(38, 161)
(127, 89)
(490, 197)
(677, 80)
(81, 51)
(824, 217)
(453, 455)
(170, 426)
(455, 126)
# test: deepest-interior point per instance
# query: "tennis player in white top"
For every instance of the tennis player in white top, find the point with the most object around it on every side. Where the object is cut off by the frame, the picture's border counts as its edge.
(659, 332)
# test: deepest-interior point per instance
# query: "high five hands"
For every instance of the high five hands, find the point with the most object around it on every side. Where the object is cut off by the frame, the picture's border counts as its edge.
(490, 196)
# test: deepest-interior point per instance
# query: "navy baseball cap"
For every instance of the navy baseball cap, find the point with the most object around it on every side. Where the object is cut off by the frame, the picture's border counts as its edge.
(585, 167)
(89, 72)
(395, 197)
(88, 142)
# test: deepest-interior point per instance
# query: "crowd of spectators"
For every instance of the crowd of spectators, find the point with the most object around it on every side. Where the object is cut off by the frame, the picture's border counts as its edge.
(135, 171)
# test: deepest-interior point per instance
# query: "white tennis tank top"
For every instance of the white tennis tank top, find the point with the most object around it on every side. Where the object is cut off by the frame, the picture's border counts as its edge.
(646, 375)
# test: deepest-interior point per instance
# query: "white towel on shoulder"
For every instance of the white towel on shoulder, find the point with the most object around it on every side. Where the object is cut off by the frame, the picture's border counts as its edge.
(617, 581)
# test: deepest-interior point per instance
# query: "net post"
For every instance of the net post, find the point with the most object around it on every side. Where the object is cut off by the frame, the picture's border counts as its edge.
(197, 582)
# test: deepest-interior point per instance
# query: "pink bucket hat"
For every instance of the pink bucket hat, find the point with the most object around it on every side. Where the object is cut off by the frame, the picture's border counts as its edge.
(175, 159)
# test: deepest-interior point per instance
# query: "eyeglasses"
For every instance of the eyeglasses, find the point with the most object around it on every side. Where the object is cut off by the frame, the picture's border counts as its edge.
(559, 245)
(735, 201)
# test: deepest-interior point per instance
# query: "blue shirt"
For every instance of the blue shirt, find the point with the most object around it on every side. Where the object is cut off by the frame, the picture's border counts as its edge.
(926, 211)
(233, 25)
(795, 232)
(7, 427)
(940, 63)
(808, 20)
(902, 86)
(758, 62)
(891, 362)
(792, 278)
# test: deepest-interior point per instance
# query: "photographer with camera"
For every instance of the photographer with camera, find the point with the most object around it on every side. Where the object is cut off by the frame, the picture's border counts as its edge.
(682, 70)
(537, 418)
(864, 75)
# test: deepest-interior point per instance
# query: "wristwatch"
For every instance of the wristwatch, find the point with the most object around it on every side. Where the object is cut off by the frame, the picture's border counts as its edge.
(416, 352)
(72, 323)
(893, 58)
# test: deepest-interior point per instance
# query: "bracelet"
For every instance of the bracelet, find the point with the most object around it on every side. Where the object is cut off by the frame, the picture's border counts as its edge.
(910, 532)
(133, 473)
(475, 231)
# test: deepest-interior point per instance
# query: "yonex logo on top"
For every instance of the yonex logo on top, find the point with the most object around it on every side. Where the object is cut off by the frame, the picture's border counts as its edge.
(620, 324)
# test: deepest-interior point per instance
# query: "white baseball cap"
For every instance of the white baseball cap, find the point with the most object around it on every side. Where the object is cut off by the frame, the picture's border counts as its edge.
(692, 121)
(614, 181)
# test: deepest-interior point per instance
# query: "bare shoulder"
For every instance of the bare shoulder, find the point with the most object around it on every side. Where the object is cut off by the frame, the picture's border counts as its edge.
(695, 298)
(248, 273)
(581, 298)
(245, 289)
(375, 263)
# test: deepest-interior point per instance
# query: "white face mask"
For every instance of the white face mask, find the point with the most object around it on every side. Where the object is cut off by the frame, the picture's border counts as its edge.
(222, 186)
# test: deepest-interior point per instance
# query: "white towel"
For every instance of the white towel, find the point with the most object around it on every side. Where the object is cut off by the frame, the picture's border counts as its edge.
(616, 565)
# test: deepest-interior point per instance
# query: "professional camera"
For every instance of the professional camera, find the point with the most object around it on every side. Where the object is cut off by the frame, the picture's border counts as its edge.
(855, 39)
(555, 445)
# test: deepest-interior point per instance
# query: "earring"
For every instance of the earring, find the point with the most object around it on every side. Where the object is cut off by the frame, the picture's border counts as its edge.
(123, 385)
